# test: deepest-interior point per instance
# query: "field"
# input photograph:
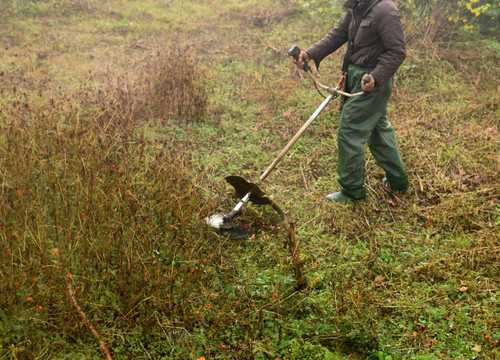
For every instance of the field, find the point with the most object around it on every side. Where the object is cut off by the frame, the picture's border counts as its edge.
(119, 121)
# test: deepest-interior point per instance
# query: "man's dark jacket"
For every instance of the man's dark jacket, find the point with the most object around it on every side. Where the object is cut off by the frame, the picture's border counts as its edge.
(379, 41)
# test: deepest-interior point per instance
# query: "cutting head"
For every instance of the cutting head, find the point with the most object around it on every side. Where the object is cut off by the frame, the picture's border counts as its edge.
(226, 226)
(243, 187)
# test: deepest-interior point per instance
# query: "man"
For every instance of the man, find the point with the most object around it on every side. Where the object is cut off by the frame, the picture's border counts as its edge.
(376, 49)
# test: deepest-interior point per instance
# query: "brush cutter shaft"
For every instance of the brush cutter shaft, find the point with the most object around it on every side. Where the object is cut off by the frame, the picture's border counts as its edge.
(333, 92)
(296, 137)
(238, 206)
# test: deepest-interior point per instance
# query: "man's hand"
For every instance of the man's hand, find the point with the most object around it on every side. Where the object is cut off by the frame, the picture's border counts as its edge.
(368, 86)
(304, 58)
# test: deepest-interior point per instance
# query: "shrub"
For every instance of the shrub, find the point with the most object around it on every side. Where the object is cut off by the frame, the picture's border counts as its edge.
(175, 86)
(438, 19)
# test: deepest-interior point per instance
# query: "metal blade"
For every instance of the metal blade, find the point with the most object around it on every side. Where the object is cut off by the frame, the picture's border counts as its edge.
(243, 187)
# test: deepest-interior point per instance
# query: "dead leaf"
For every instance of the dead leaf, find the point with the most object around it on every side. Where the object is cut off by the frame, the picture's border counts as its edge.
(476, 348)
(463, 289)
(379, 281)
(428, 342)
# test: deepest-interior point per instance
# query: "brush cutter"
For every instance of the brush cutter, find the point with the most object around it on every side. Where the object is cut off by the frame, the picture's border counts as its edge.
(245, 190)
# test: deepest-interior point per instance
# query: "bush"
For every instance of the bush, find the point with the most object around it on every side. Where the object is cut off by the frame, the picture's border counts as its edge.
(440, 18)
(175, 86)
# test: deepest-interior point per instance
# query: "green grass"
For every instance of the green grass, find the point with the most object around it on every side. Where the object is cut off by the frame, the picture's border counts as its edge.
(119, 121)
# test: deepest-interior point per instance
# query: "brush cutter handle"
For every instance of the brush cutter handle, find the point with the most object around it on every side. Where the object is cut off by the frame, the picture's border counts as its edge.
(295, 52)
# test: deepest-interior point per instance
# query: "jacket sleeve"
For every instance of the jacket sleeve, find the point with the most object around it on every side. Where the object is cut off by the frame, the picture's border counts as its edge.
(390, 31)
(331, 41)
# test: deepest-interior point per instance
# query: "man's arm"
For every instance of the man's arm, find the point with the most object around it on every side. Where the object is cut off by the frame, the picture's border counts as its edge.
(331, 41)
(390, 30)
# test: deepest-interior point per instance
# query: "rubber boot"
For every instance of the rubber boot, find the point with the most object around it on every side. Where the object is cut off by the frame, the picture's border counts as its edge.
(340, 197)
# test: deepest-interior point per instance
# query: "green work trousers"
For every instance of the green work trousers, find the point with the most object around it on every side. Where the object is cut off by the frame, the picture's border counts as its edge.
(364, 120)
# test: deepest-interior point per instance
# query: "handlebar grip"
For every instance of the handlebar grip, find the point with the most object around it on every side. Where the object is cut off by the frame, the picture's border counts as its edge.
(295, 52)
(367, 80)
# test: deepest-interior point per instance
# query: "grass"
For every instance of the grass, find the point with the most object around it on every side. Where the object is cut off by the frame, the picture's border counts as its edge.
(119, 122)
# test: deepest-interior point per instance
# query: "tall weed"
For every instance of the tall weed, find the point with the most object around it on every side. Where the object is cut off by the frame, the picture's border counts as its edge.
(88, 194)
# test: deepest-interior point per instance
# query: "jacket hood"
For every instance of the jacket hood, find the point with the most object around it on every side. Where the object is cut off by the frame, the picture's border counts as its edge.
(363, 6)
